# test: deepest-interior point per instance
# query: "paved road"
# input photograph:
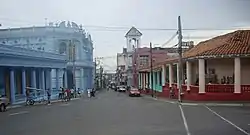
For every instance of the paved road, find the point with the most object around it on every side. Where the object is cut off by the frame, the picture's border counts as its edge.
(113, 113)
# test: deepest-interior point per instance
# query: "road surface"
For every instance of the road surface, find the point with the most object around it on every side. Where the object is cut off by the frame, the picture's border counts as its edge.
(113, 113)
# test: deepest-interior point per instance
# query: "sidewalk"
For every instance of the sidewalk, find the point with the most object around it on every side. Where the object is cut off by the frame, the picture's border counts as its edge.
(206, 103)
(36, 104)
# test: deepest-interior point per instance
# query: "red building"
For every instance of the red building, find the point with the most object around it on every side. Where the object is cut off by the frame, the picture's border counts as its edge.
(141, 58)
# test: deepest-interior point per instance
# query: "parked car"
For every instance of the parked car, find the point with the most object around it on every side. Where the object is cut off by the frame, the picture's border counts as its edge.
(134, 92)
(121, 89)
(4, 102)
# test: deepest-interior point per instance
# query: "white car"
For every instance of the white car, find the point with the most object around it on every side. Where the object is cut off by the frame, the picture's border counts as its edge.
(4, 102)
(122, 89)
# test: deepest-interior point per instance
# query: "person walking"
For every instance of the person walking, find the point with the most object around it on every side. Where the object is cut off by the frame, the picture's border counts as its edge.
(48, 96)
(27, 92)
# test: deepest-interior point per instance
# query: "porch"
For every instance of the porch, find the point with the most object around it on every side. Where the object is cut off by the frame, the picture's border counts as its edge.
(222, 79)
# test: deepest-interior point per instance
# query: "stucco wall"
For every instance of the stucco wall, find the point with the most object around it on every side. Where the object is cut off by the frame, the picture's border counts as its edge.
(245, 71)
(224, 67)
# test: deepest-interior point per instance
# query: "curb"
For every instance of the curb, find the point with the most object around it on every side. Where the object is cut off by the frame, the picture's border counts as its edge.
(53, 101)
(200, 104)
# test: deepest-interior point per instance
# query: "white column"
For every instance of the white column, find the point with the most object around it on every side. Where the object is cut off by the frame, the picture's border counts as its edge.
(60, 72)
(33, 78)
(178, 75)
(150, 80)
(65, 78)
(170, 70)
(163, 75)
(12, 86)
(189, 75)
(237, 75)
(23, 81)
(57, 79)
(201, 76)
(77, 78)
(82, 79)
(139, 80)
(42, 80)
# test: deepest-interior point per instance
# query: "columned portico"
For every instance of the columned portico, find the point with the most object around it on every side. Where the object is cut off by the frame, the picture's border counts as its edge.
(201, 76)
(237, 76)
(189, 75)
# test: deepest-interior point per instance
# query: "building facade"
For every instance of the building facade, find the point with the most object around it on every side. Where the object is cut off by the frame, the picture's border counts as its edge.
(216, 69)
(21, 68)
(64, 39)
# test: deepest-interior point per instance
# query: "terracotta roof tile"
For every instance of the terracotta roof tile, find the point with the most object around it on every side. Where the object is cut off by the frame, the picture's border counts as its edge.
(237, 42)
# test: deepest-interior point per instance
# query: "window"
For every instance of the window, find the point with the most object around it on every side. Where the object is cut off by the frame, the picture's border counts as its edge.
(62, 48)
(143, 60)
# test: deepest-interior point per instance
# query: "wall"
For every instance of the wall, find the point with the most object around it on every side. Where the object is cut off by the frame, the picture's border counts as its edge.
(245, 70)
(223, 67)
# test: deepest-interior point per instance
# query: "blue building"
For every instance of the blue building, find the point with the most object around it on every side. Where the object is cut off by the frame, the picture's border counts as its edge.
(52, 56)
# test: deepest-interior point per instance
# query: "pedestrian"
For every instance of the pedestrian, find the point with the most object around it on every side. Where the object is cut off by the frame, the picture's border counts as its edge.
(92, 92)
(89, 92)
(27, 92)
(48, 96)
(68, 91)
(72, 92)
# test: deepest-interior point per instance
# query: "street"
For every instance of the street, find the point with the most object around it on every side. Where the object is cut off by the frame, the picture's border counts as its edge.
(113, 113)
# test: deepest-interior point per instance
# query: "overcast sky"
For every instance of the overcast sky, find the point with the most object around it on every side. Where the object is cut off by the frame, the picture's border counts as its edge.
(216, 14)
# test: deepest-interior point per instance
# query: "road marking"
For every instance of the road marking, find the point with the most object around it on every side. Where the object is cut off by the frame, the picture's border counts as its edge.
(184, 120)
(22, 112)
(214, 104)
(242, 130)
(189, 104)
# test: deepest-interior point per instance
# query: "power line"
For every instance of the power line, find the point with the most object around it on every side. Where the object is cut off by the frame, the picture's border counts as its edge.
(169, 40)
(123, 28)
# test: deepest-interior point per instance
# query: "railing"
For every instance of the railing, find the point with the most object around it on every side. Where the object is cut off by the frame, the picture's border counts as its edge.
(245, 88)
(220, 88)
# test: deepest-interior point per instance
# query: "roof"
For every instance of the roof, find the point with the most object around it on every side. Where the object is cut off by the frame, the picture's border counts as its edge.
(234, 43)
(133, 32)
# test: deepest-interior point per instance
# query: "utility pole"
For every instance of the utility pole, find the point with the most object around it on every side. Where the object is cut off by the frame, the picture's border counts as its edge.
(180, 58)
(95, 82)
(151, 69)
